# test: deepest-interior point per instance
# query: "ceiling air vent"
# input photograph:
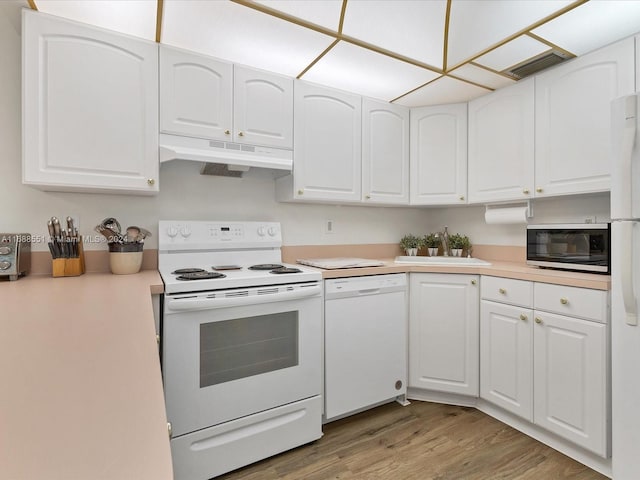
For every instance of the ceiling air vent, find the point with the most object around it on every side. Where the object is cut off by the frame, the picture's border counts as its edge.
(538, 64)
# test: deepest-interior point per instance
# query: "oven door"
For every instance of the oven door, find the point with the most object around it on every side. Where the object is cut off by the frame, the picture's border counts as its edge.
(234, 353)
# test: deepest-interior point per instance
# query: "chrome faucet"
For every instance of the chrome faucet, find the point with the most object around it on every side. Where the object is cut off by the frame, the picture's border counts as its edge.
(444, 241)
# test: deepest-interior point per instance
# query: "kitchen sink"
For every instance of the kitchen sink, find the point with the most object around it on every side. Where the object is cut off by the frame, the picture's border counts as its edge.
(452, 261)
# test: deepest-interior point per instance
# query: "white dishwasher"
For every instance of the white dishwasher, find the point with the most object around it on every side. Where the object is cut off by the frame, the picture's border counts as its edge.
(365, 342)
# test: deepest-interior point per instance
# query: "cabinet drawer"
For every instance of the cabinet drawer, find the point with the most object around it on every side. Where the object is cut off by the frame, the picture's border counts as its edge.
(573, 301)
(507, 290)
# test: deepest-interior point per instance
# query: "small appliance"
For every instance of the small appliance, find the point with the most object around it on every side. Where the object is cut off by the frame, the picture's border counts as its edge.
(15, 254)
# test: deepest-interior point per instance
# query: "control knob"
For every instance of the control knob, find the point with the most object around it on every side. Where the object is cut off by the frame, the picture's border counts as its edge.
(185, 232)
(4, 265)
(5, 250)
(172, 231)
(262, 231)
(272, 231)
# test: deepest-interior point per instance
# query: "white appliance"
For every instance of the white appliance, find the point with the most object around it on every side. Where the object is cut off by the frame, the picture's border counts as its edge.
(366, 342)
(241, 346)
(625, 289)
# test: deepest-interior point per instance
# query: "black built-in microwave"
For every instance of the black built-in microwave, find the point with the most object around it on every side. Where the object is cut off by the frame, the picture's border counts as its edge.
(584, 247)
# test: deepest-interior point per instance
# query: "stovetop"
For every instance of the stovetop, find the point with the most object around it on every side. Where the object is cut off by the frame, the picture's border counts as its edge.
(219, 255)
(236, 278)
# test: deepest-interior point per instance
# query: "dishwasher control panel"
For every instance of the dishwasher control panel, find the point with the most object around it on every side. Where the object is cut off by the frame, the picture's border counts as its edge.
(369, 284)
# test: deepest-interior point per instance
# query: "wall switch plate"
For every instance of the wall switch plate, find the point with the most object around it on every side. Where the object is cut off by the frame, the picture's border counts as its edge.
(329, 226)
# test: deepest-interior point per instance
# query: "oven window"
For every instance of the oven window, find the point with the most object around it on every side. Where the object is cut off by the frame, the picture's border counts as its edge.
(244, 347)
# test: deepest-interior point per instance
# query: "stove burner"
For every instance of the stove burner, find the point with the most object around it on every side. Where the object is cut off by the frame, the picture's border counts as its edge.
(200, 275)
(180, 271)
(286, 270)
(265, 266)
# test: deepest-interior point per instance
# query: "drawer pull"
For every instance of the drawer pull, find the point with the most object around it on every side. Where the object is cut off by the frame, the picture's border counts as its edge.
(564, 301)
(473, 282)
(502, 291)
(538, 320)
(523, 316)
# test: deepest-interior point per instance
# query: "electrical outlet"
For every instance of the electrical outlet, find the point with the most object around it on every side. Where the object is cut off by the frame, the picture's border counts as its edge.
(329, 226)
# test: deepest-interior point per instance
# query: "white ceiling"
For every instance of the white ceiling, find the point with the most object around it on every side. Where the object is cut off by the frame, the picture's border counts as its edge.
(412, 52)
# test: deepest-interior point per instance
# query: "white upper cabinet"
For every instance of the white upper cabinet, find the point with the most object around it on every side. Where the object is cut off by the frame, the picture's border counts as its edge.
(439, 155)
(262, 108)
(385, 152)
(204, 97)
(501, 142)
(573, 117)
(195, 95)
(90, 108)
(327, 146)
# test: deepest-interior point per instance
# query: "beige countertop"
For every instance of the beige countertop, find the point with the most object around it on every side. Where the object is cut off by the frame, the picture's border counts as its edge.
(498, 269)
(81, 389)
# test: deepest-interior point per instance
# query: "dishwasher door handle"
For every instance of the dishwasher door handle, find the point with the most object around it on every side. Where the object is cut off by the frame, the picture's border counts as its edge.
(368, 291)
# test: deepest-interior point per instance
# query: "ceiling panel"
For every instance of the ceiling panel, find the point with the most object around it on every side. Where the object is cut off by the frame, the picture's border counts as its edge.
(242, 35)
(478, 25)
(482, 76)
(371, 74)
(325, 13)
(133, 17)
(593, 25)
(441, 91)
(409, 28)
(512, 53)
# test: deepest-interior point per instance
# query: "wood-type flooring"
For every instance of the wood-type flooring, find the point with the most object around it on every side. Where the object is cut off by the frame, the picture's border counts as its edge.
(423, 441)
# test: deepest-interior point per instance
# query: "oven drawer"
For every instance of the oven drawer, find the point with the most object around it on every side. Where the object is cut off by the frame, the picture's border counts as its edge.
(213, 451)
(573, 301)
(507, 290)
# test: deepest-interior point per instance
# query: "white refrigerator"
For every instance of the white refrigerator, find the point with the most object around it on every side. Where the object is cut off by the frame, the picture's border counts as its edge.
(625, 289)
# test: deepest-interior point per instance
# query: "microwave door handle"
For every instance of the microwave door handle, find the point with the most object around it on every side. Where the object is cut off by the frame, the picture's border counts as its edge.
(204, 303)
(626, 271)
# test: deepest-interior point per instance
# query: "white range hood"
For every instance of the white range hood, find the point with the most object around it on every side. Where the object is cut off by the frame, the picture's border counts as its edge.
(238, 156)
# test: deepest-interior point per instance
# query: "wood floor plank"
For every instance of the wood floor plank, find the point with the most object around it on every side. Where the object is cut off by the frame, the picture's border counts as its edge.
(423, 441)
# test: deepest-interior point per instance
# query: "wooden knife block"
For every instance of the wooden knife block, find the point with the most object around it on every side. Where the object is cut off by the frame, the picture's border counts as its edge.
(69, 267)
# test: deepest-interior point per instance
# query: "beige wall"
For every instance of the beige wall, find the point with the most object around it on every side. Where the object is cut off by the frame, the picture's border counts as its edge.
(184, 194)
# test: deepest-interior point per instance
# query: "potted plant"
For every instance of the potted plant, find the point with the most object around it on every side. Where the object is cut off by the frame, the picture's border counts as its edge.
(432, 242)
(410, 243)
(457, 243)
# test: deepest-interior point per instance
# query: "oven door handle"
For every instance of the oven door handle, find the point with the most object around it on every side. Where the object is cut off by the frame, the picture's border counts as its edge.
(204, 303)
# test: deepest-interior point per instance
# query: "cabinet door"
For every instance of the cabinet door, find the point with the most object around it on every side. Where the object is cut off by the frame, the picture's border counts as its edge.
(501, 139)
(506, 354)
(573, 118)
(90, 108)
(327, 144)
(439, 155)
(570, 379)
(262, 108)
(195, 95)
(443, 332)
(385, 152)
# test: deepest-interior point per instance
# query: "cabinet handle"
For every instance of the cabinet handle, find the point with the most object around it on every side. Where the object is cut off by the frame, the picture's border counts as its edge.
(473, 282)
(300, 191)
(227, 132)
(367, 197)
(169, 429)
(240, 134)
(539, 189)
(564, 301)
(461, 197)
(523, 316)
(151, 182)
(158, 339)
(525, 191)
(502, 291)
(538, 320)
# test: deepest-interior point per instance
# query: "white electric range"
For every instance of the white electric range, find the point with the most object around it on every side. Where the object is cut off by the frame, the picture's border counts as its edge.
(241, 345)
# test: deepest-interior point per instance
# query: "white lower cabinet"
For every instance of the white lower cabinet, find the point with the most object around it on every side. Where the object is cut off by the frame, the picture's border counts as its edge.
(548, 368)
(506, 361)
(443, 332)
